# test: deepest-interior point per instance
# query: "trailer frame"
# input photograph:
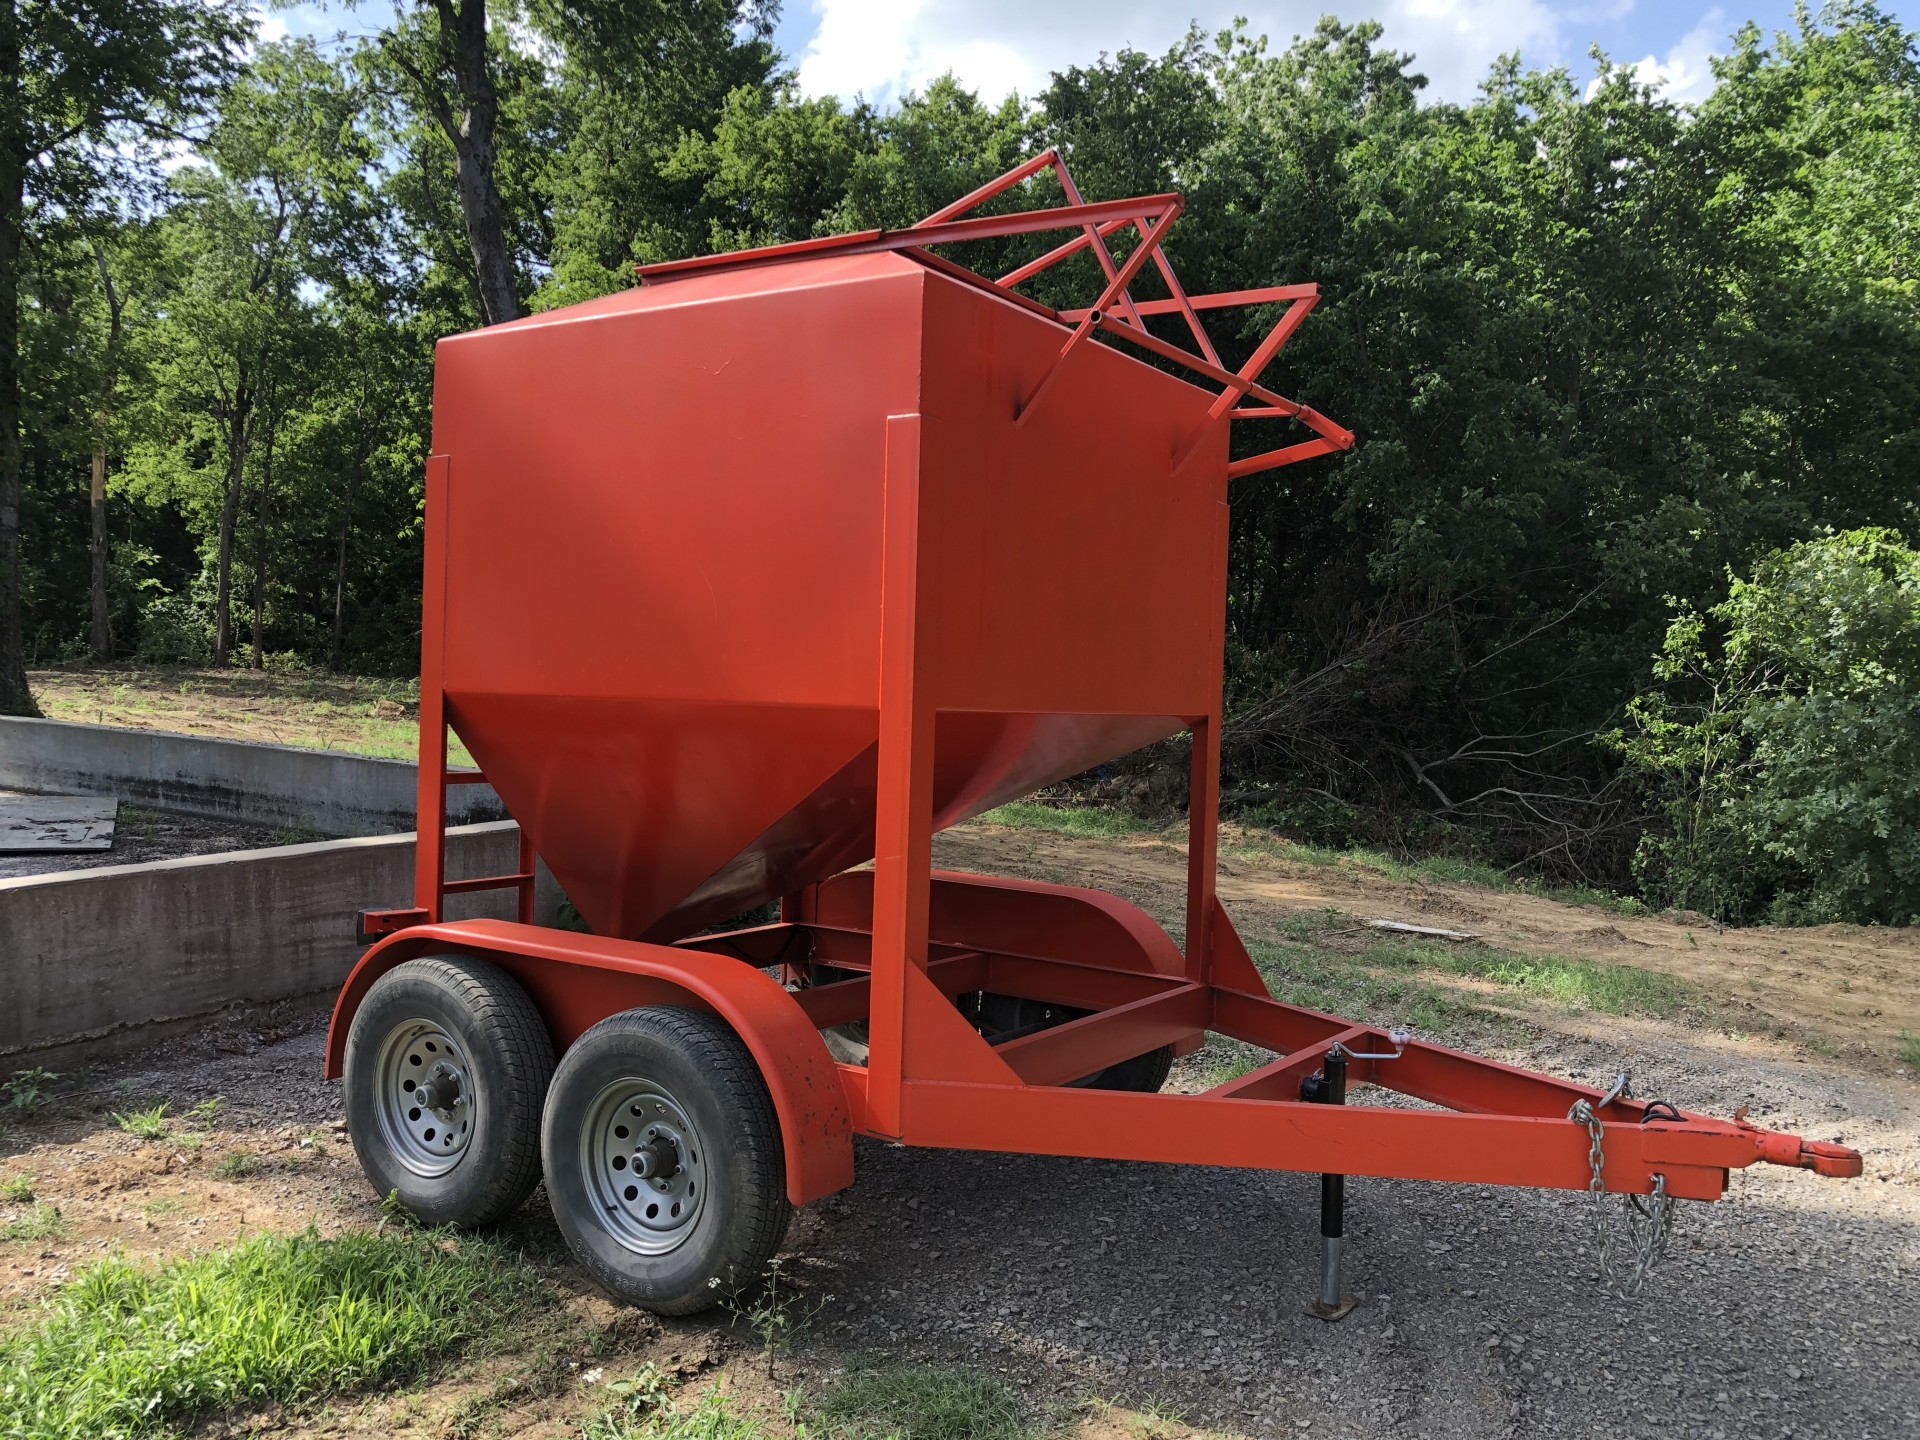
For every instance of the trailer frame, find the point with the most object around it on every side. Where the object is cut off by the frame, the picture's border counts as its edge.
(898, 947)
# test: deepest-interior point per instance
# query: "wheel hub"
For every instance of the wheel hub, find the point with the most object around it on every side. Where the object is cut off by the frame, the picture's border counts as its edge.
(644, 1165)
(425, 1099)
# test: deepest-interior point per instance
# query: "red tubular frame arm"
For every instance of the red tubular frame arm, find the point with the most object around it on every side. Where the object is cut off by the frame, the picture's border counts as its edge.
(1152, 216)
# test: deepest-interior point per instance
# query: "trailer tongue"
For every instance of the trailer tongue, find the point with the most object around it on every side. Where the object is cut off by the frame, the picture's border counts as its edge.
(779, 564)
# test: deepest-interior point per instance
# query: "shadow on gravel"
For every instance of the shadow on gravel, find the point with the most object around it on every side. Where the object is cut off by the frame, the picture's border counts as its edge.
(1787, 1309)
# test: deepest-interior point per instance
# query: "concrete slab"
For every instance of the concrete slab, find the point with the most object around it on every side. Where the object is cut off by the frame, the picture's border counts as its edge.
(97, 962)
(41, 824)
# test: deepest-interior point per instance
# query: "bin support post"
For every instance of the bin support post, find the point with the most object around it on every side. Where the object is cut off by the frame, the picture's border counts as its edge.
(1334, 1303)
(903, 801)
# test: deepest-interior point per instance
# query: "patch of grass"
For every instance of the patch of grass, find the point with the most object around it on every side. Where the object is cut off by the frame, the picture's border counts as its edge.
(1439, 869)
(917, 1402)
(360, 714)
(1229, 1059)
(1574, 984)
(237, 1165)
(1081, 822)
(1910, 1049)
(1306, 927)
(43, 1222)
(127, 1350)
(1570, 983)
(18, 1190)
(1343, 983)
(166, 1205)
(146, 1124)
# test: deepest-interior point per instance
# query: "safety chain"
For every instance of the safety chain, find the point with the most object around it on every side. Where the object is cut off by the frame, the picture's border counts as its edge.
(1649, 1225)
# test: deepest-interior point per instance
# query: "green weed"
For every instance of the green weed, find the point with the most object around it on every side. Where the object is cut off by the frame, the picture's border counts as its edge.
(1910, 1049)
(127, 1350)
(236, 1165)
(18, 1190)
(1060, 820)
(147, 1124)
(777, 1315)
(27, 1091)
(915, 1402)
(638, 1407)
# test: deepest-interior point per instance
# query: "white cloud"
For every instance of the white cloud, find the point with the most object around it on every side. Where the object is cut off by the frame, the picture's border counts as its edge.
(1453, 43)
(883, 48)
(1685, 76)
(272, 28)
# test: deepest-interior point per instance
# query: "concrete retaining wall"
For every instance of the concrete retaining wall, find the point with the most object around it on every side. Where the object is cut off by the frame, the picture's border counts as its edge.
(97, 962)
(321, 791)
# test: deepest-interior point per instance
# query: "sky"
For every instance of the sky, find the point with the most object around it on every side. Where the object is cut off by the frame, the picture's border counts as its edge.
(881, 49)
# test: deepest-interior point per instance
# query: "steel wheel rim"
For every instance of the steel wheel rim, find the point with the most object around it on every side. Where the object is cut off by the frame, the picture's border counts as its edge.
(645, 1165)
(425, 1097)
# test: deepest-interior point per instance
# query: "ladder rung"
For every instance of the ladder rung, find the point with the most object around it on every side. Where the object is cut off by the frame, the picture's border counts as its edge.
(466, 777)
(486, 882)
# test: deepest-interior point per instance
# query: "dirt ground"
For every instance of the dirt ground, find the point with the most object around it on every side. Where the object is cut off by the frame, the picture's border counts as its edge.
(1791, 1308)
(1855, 989)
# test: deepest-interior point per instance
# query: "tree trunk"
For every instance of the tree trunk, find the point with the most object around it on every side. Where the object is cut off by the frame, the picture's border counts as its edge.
(338, 654)
(102, 621)
(15, 698)
(261, 545)
(465, 32)
(229, 512)
(110, 384)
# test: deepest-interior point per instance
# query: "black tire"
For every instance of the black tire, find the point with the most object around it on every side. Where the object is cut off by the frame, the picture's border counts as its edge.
(476, 1158)
(993, 1015)
(996, 1015)
(1144, 1074)
(653, 1110)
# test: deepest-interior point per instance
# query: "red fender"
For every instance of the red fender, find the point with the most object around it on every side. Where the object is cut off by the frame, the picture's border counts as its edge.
(1019, 917)
(576, 981)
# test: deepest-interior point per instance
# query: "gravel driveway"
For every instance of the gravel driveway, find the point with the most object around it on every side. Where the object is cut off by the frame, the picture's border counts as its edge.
(1791, 1308)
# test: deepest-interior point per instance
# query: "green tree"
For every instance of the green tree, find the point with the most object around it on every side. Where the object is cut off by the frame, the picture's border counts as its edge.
(268, 215)
(84, 84)
(1783, 740)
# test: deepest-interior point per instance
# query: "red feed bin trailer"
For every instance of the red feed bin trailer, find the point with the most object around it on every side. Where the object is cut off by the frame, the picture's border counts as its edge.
(778, 564)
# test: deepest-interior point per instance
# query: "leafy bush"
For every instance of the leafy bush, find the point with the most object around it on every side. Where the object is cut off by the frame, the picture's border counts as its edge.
(1782, 741)
(175, 631)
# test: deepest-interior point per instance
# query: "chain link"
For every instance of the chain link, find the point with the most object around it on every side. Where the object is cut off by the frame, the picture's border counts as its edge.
(1649, 1226)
